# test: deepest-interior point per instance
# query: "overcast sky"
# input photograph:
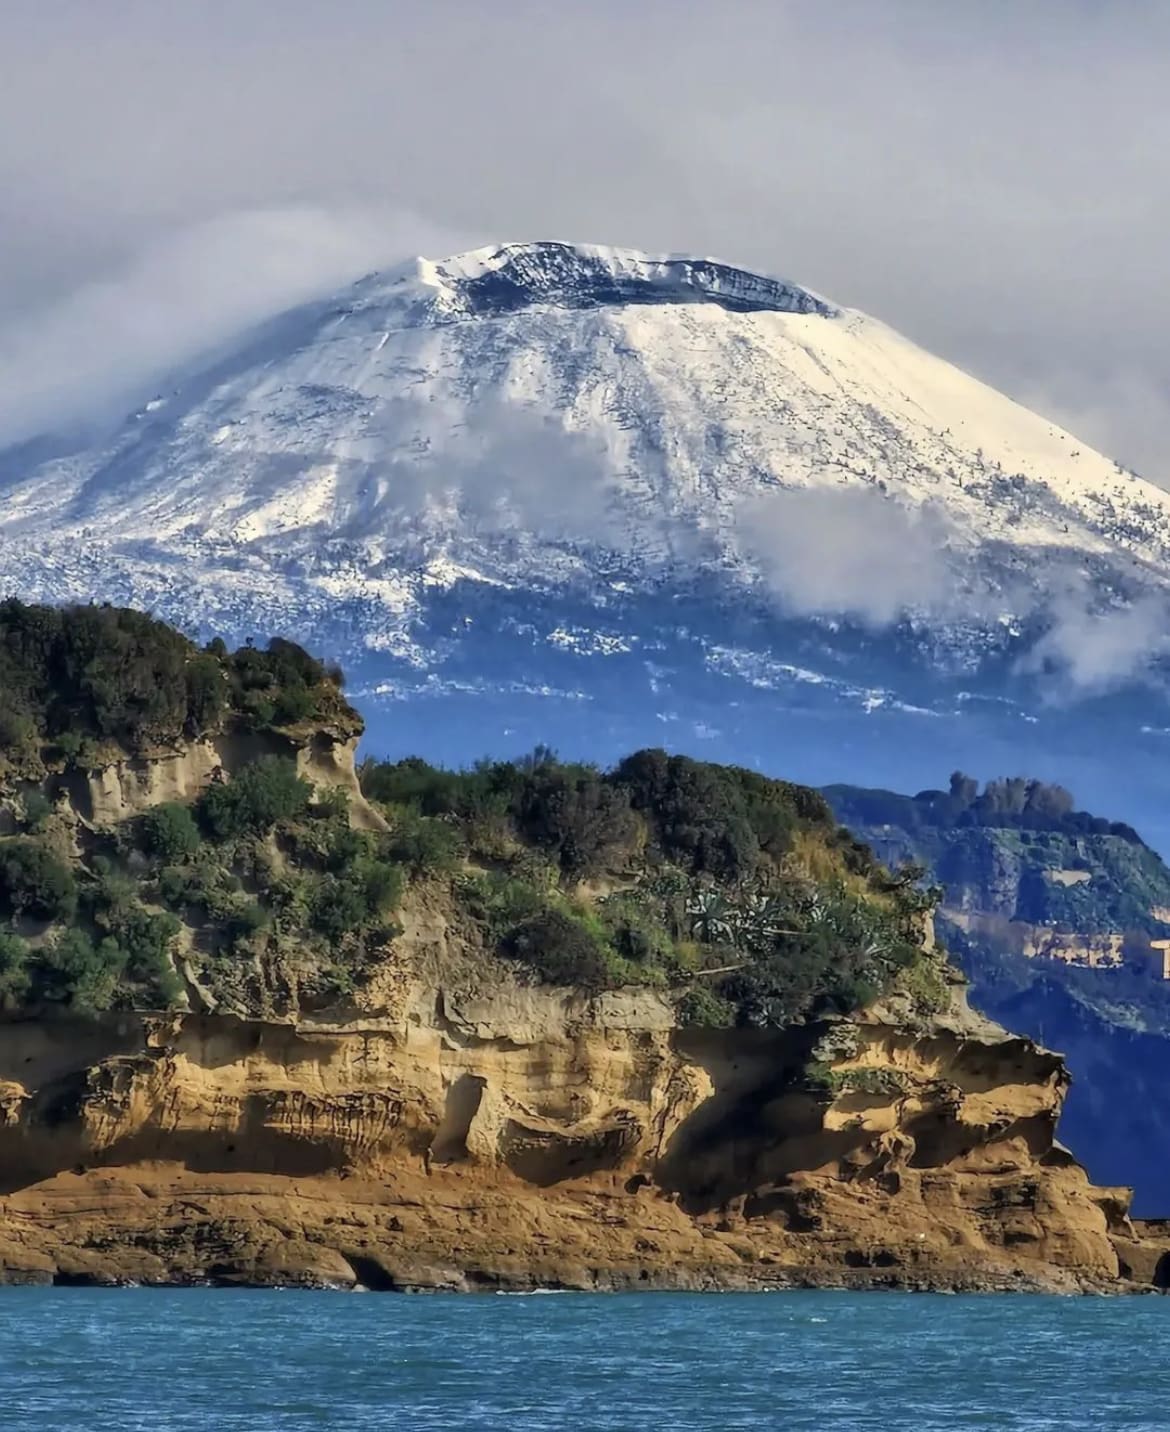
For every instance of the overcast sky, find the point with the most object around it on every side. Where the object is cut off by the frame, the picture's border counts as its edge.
(989, 177)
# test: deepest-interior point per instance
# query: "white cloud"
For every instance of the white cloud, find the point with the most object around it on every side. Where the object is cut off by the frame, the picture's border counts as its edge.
(851, 551)
(1095, 651)
(992, 178)
(104, 343)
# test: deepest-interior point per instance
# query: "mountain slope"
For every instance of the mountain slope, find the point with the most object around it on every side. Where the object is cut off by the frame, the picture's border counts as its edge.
(632, 492)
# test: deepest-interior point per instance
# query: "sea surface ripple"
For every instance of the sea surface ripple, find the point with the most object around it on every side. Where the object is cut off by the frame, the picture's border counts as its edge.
(180, 1360)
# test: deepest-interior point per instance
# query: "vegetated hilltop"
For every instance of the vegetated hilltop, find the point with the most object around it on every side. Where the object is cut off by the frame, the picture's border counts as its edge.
(739, 893)
(666, 872)
(107, 897)
(1051, 913)
(528, 1023)
(86, 685)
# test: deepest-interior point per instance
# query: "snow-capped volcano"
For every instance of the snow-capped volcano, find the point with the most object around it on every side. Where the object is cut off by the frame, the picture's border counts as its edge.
(522, 470)
(424, 399)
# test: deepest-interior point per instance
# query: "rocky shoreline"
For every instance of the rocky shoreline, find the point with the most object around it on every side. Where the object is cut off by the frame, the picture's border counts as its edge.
(518, 1138)
(615, 1281)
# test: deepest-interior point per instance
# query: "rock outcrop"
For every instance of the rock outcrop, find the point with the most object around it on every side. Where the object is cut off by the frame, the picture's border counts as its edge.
(483, 1135)
(104, 796)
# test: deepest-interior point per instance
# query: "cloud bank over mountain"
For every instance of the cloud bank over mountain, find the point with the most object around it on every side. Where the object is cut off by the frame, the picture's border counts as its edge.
(550, 415)
(106, 344)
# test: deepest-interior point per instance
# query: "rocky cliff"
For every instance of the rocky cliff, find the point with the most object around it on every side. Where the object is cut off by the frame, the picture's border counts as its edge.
(104, 794)
(500, 1135)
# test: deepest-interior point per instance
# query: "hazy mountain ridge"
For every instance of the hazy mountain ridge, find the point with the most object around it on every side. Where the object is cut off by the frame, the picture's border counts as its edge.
(1050, 912)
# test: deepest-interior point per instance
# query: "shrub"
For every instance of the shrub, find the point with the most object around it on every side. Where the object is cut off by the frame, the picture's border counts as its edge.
(337, 907)
(203, 885)
(170, 832)
(841, 954)
(381, 885)
(69, 744)
(178, 886)
(345, 847)
(885, 1081)
(290, 666)
(145, 938)
(775, 808)
(37, 809)
(856, 856)
(559, 950)
(104, 672)
(33, 881)
(294, 704)
(340, 905)
(264, 792)
(480, 798)
(289, 898)
(243, 919)
(500, 902)
(113, 675)
(924, 980)
(73, 971)
(14, 975)
(636, 933)
(412, 782)
(207, 693)
(17, 731)
(576, 816)
(847, 991)
(697, 813)
(424, 845)
(112, 895)
(702, 1008)
(332, 803)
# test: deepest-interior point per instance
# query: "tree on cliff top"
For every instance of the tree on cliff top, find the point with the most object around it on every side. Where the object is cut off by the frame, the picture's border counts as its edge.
(112, 676)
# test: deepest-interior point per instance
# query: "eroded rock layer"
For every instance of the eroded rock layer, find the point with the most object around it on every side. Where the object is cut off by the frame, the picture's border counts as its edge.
(456, 1138)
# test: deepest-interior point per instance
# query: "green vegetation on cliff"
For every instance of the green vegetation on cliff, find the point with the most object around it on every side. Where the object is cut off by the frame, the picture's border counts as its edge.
(257, 894)
(740, 895)
(240, 886)
(259, 890)
(83, 683)
(740, 892)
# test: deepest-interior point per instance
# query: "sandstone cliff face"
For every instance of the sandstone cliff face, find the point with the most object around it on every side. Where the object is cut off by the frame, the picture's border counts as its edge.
(456, 1127)
(463, 1136)
(106, 796)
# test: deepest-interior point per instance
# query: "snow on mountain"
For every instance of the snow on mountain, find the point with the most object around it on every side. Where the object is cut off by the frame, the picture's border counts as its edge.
(686, 385)
(497, 473)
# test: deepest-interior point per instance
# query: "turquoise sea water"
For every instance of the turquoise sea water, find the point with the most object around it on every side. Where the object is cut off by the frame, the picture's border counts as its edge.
(115, 1361)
